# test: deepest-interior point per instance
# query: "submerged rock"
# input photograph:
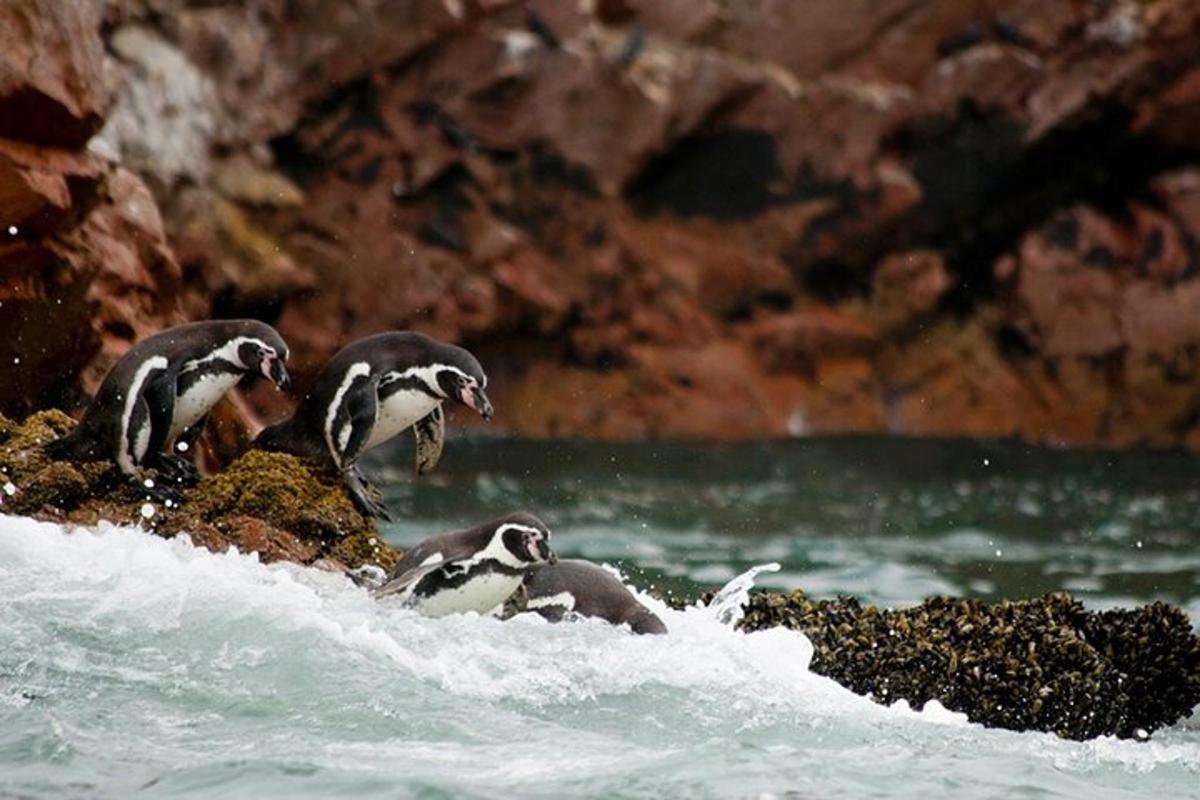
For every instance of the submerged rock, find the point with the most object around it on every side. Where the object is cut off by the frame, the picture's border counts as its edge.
(1044, 664)
(269, 503)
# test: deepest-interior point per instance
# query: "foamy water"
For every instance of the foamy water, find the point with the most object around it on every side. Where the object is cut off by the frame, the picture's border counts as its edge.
(130, 664)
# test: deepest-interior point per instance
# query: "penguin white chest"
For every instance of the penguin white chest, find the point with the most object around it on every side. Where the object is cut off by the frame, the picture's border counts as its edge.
(482, 593)
(198, 399)
(399, 412)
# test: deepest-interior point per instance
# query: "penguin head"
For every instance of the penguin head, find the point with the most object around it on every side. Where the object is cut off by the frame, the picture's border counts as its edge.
(526, 537)
(262, 351)
(459, 375)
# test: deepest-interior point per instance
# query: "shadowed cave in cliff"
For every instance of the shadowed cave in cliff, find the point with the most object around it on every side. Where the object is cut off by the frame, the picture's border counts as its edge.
(728, 174)
(984, 187)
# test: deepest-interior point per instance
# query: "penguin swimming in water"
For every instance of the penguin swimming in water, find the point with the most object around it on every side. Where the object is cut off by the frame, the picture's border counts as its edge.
(476, 569)
(164, 386)
(373, 390)
(572, 586)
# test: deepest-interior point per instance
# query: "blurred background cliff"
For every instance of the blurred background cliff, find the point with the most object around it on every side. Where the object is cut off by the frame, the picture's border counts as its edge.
(649, 218)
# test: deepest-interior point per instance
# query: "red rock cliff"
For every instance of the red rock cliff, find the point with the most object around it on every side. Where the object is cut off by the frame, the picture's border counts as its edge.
(650, 218)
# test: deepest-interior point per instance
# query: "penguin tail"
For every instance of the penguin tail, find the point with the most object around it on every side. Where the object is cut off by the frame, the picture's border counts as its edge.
(74, 446)
(273, 437)
(285, 437)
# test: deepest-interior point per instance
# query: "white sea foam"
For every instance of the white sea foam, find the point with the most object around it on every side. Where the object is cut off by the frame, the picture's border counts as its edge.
(124, 648)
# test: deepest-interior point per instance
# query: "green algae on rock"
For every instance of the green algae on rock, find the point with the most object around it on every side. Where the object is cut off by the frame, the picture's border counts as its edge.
(287, 494)
(42, 487)
(269, 503)
(1044, 664)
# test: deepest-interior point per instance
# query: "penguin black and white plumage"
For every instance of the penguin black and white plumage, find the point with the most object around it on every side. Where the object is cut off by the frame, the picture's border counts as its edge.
(579, 587)
(476, 569)
(373, 390)
(163, 387)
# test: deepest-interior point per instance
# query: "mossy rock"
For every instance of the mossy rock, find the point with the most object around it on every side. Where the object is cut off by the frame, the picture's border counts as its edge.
(44, 487)
(271, 502)
(282, 490)
(1044, 664)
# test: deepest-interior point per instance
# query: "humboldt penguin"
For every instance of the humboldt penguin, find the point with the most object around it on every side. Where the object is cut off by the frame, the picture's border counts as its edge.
(372, 390)
(475, 569)
(163, 387)
(579, 587)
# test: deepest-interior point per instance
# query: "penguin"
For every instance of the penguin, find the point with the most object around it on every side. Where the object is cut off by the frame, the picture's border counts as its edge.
(163, 387)
(373, 390)
(571, 586)
(475, 569)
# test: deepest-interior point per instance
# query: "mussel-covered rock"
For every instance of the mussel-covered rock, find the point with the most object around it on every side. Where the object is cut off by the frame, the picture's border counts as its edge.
(1044, 664)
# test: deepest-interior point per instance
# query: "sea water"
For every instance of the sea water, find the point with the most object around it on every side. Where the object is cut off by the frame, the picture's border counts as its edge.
(133, 666)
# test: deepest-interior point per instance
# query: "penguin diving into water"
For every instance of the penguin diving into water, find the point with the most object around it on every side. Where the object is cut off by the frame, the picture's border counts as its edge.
(163, 387)
(476, 569)
(578, 588)
(371, 391)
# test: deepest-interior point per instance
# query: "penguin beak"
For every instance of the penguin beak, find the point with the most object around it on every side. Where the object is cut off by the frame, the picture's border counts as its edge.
(474, 397)
(538, 548)
(273, 368)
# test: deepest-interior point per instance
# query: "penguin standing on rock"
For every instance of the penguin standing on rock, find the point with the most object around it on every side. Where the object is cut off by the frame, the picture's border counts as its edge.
(164, 386)
(580, 587)
(373, 390)
(476, 569)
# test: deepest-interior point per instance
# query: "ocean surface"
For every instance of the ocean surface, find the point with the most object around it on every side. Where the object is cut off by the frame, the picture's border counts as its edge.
(132, 666)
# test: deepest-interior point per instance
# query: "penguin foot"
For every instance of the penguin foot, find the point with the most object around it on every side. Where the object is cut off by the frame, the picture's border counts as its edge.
(181, 470)
(365, 496)
(174, 470)
(162, 493)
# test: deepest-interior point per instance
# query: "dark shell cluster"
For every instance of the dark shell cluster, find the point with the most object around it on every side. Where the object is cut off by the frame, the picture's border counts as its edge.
(1045, 664)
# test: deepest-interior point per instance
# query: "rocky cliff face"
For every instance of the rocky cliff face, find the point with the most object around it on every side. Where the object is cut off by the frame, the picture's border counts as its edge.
(649, 218)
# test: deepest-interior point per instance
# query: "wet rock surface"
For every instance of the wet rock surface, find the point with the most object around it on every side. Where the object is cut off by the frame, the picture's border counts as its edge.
(268, 503)
(679, 219)
(1043, 664)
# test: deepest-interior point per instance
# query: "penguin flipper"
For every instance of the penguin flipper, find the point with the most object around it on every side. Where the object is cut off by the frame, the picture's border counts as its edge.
(430, 432)
(407, 580)
(160, 402)
(351, 423)
(137, 420)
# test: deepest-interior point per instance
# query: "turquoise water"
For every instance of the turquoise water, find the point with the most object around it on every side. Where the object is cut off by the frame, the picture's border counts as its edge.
(134, 666)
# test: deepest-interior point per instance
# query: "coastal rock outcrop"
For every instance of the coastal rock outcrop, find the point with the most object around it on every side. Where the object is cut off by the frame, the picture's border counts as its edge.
(677, 219)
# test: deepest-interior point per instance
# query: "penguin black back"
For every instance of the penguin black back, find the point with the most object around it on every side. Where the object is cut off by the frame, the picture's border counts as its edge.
(586, 589)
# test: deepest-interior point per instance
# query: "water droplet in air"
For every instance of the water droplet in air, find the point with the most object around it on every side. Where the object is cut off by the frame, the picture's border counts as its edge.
(148, 483)
(10, 488)
(987, 462)
(13, 230)
(147, 510)
(182, 447)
